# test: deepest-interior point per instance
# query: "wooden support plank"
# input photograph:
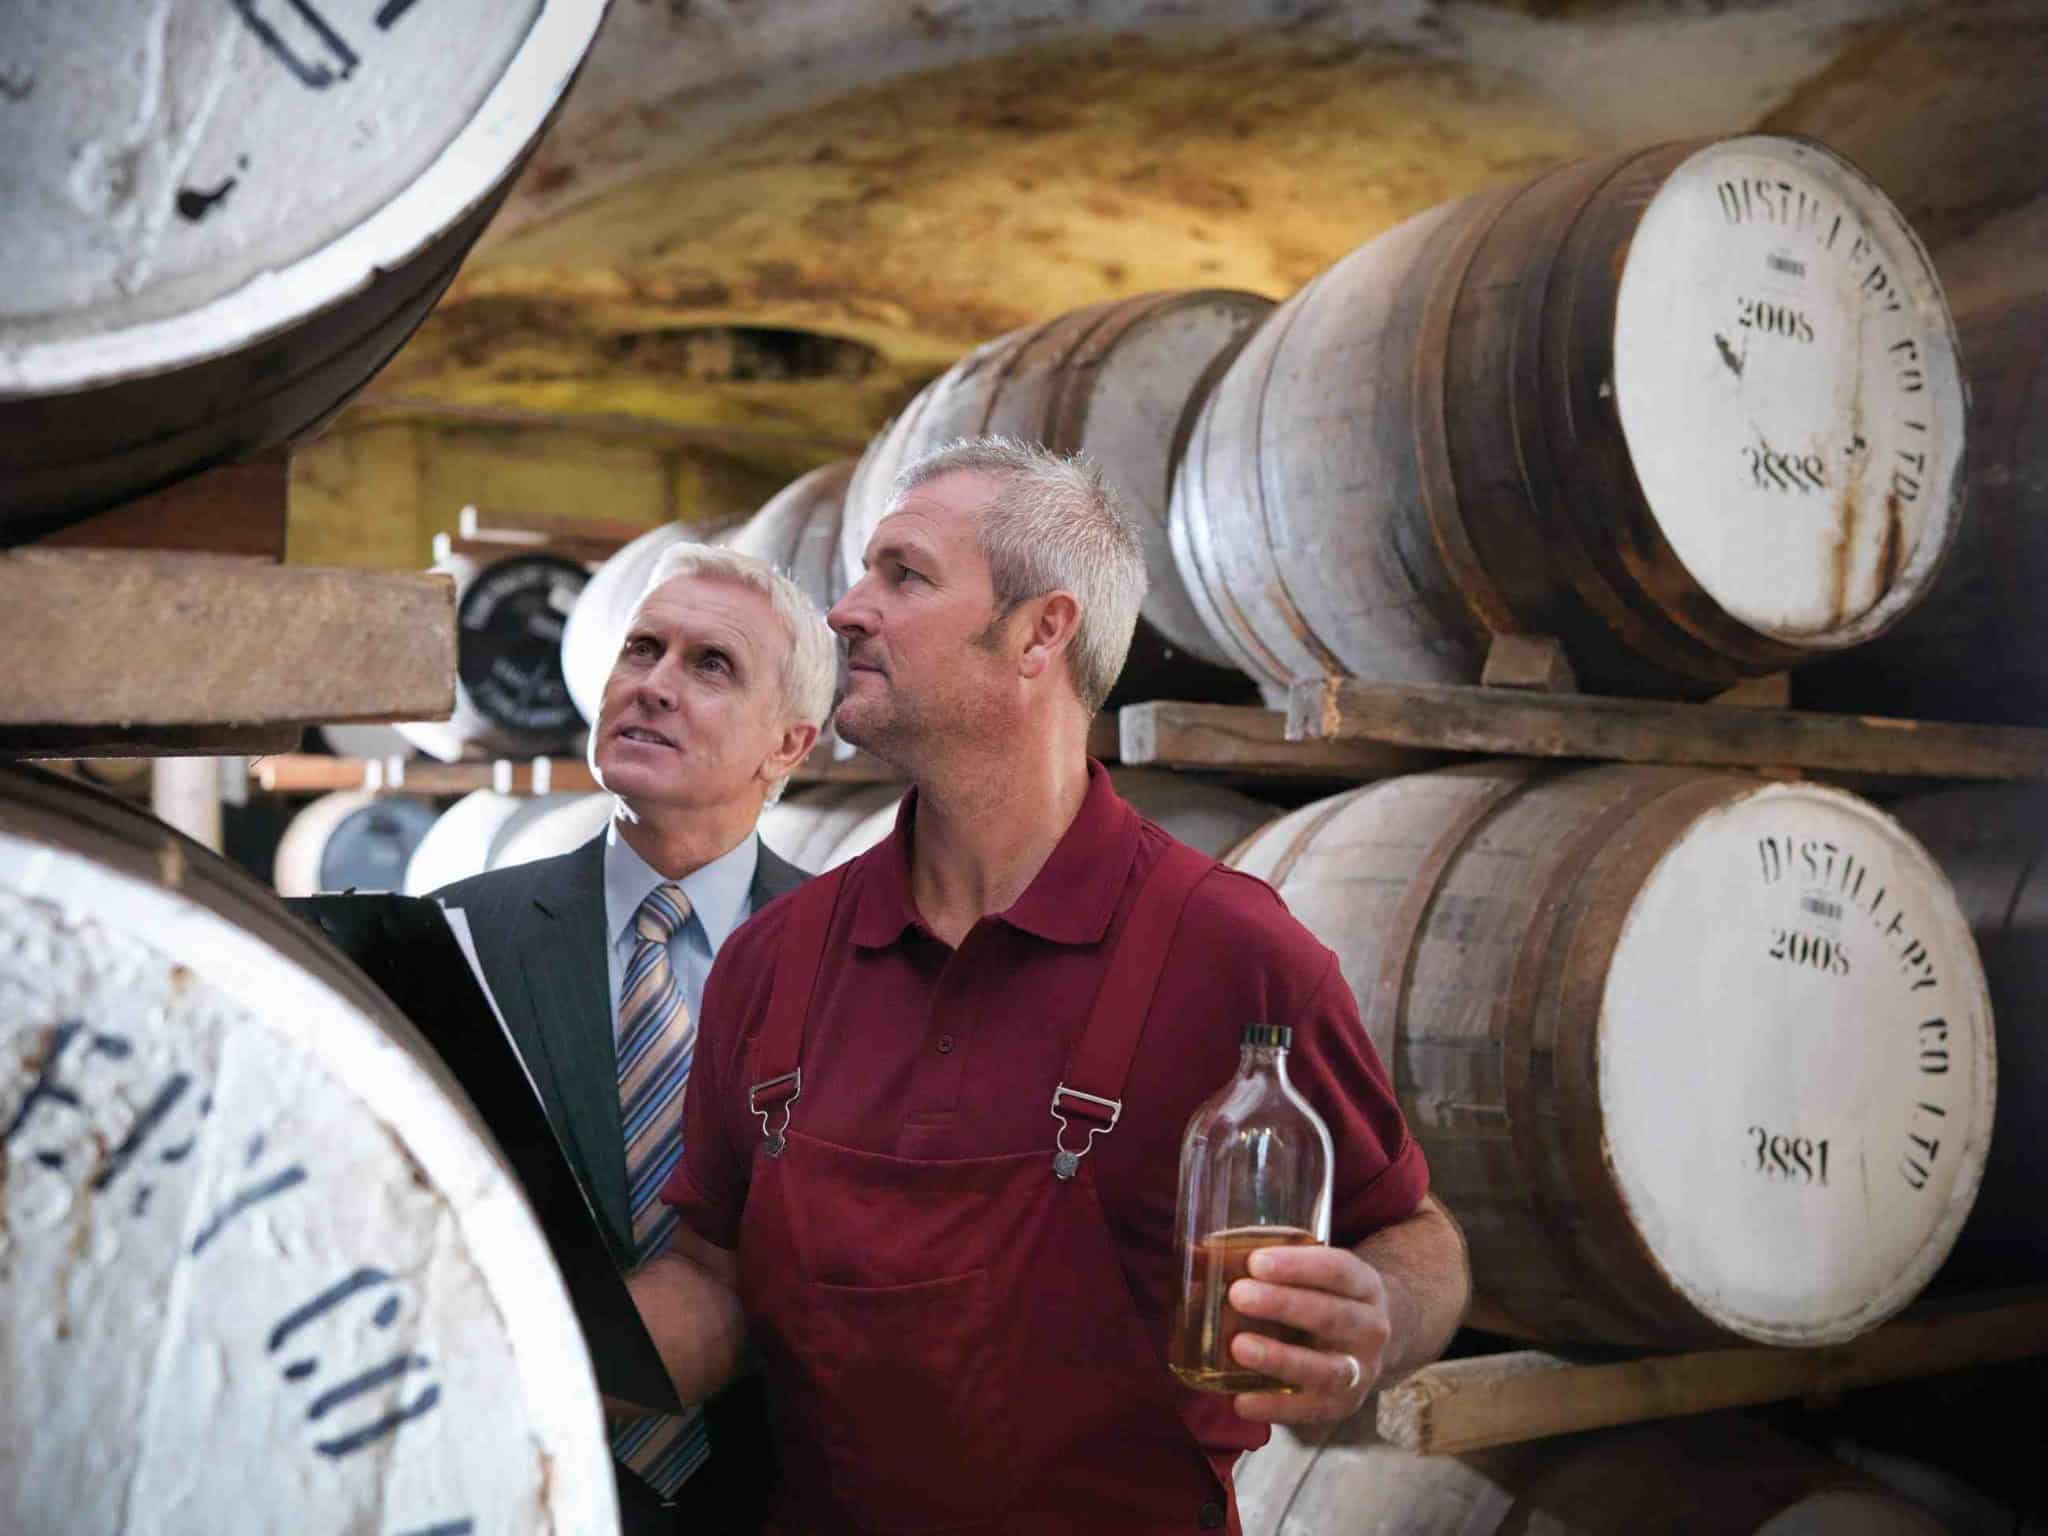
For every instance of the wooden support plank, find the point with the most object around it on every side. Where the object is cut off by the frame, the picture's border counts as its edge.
(1494, 721)
(1230, 738)
(142, 640)
(232, 509)
(1466, 1405)
(307, 773)
(1534, 662)
(1771, 691)
(29, 742)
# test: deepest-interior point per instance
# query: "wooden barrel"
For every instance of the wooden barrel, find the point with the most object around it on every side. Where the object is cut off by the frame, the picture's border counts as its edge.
(1120, 382)
(797, 532)
(1692, 410)
(466, 837)
(596, 626)
(1977, 648)
(558, 829)
(218, 230)
(1692, 1055)
(351, 840)
(1718, 1476)
(1990, 840)
(511, 695)
(805, 828)
(1204, 816)
(265, 1269)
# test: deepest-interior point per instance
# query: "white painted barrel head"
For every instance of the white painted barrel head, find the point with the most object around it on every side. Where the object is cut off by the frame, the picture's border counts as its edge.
(183, 178)
(870, 831)
(351, 840)
(260, 1268)
(1796, 1065)
(220, 220)
(1786, 374)
(797, 532)
(596, 626)
(458, 844)
(553, 828)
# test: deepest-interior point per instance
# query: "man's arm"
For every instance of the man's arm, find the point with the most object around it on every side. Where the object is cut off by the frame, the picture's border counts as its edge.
(689, 1301)
(1391, 1304)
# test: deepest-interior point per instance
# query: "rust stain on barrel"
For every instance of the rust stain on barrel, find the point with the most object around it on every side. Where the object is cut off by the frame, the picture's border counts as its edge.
(1892, 551)
(1844, 551)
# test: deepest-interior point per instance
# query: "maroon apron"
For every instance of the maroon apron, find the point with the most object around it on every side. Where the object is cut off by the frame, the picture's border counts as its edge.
(952, 1345)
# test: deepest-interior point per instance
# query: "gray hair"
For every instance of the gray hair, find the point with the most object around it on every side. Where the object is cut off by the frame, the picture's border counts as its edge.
(810, 671)
(1055, 524)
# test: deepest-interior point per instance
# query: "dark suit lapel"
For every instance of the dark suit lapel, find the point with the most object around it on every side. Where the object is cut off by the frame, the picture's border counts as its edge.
(560, 941)
(773, 877)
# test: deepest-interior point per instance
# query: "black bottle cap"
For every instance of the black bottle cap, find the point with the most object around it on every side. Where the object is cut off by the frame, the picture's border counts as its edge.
(1268, 1034)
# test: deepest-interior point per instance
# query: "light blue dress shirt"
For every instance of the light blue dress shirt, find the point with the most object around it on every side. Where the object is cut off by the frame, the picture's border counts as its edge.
(718, 904)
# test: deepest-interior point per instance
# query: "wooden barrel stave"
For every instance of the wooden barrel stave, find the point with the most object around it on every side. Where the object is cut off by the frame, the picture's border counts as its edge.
(1491, 921)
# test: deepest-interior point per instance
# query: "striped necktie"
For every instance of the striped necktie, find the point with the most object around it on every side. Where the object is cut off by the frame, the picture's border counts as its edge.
(656, 1038)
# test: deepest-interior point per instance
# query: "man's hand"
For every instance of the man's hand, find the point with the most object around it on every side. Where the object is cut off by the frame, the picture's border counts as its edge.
(1391, 1304)
(1340, 1302)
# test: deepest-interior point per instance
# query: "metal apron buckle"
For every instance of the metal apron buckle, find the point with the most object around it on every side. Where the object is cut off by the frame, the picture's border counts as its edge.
(1066, 1163)
(776, 1140)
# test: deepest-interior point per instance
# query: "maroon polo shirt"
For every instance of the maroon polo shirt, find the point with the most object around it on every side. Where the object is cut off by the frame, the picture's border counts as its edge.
(916, 1050)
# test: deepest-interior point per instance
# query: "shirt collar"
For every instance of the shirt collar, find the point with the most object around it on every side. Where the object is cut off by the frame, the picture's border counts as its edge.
(718, 891)
(1069, 901)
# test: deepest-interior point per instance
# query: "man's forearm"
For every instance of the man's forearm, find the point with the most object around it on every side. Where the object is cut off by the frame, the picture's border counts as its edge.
(1422, 1261)
(695, 1319)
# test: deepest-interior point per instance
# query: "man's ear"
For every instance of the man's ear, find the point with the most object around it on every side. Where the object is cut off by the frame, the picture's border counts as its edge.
(1051, 622)
(794, 746)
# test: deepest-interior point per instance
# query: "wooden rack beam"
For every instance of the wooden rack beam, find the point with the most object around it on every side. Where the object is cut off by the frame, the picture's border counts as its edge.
(1230, 738)
(111, 650)
(1514, 723)
(1466, 1405)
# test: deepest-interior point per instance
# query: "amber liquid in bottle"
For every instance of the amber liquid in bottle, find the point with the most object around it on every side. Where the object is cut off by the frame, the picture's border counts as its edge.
(1254, 1173)
(1200, 1348)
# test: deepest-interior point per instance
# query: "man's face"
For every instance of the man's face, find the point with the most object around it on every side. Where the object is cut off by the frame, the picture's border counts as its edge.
(922, 661)
(693, 708)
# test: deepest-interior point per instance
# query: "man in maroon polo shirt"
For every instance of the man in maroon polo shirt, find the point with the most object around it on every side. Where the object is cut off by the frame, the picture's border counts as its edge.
(932, 1130)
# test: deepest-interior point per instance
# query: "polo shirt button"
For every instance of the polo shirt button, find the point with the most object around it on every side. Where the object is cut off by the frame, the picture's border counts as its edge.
(945, 1044)
(1211, 1517)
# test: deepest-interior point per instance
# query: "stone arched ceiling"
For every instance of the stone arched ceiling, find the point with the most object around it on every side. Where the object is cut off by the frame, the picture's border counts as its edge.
(759, 225)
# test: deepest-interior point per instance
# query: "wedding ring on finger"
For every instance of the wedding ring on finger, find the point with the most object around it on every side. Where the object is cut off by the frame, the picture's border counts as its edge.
(1357, 1373)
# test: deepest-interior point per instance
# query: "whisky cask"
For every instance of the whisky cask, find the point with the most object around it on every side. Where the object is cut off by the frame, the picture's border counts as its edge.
(1120, 382)
(351, 840)
(1693, 1056)
(220, 225)
(465, 838)
(265, 1268)
(1718, 1476)
(511, 694)
(1693, 410)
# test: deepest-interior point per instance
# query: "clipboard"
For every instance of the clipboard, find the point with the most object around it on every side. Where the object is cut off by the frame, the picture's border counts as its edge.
(421, 958)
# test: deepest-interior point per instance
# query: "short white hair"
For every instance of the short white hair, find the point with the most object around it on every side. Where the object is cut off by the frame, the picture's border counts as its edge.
(1055, 524)
(810, 669)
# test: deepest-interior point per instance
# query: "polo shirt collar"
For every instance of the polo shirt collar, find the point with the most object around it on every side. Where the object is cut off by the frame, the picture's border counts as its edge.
(1070, 901)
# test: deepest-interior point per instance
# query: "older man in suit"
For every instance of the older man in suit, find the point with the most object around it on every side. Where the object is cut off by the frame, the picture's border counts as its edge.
(598, 958)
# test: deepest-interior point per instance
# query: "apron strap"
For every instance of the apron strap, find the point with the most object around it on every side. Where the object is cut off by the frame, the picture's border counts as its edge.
(1093, 1085)
(778, 1077)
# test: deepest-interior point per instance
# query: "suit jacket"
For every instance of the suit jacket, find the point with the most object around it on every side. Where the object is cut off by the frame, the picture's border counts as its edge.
(540, 936)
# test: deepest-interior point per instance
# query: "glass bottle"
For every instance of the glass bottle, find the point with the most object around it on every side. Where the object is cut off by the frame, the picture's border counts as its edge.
(1254, 1173)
